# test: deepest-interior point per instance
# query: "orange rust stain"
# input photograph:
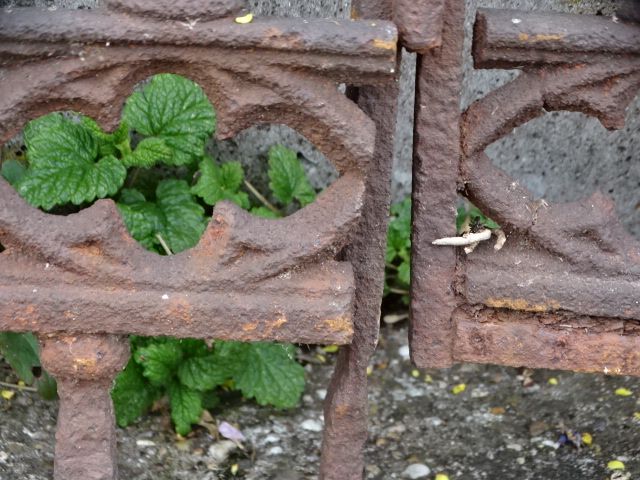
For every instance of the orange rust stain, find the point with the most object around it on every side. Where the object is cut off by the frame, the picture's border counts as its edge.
(342, 410)
(339, 325)
(92, 250)
(384, 44)
(524, 37)
(85, 362)
(275, 324)
(521, 304)
(250, 327)
(180, 308)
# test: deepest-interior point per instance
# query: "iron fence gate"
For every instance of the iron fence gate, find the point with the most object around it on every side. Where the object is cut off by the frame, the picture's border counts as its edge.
(562, 292)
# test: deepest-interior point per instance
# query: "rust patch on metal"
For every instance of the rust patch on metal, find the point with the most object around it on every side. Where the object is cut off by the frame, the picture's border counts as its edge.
(83, 283)
(521, 304)
(563, 291)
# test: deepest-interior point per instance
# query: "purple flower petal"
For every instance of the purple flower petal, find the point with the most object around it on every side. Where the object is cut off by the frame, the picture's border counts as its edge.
(230, 432)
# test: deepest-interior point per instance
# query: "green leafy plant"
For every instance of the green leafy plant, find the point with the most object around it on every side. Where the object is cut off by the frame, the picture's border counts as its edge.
(469, 217)
(398, 255)
(155, 167)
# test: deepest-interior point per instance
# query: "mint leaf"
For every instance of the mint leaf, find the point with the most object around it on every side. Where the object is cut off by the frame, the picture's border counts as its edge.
(108, 143)
(287, 177)
(176, 110)
(264, 212)
(20, 350)
(267, 372)
(202, 373)
(399, 232)
(186, 407)
(175, 215)
(132, 395)
(148, 152)
(160, 361)
(62, 164)
(13, 171)
(220, 182)
(184, 219)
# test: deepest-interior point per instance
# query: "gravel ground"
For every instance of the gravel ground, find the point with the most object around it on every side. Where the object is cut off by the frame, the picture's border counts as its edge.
(504, 425)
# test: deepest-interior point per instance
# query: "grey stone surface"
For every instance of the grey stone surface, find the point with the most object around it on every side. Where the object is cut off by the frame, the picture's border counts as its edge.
(562, 156)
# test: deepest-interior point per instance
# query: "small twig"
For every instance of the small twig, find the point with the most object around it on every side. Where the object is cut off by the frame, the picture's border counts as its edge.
(466, 239)
(391, 266)
(261, 197)
(501, 238)
(166, 248)
(399, 291)
(18, 387)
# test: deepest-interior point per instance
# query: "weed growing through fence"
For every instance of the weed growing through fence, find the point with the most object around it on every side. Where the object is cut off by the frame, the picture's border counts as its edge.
(155, 168)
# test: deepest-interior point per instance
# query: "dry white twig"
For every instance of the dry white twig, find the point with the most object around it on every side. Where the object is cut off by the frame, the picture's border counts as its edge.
(500, 239)
(465, 240)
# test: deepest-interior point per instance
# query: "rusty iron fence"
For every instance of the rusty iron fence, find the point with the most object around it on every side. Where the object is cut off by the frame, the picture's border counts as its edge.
(563, 292)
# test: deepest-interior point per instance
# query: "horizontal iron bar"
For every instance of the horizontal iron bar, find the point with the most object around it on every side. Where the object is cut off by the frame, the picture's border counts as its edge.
(519, 339)
(364, 38)
(519, 277)
(512, 38)
(315, 317)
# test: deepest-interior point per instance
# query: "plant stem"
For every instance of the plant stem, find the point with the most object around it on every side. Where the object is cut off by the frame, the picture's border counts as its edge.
(261, 197)
(18, 387)
(164, 244)
(399, 291)
(391, 266)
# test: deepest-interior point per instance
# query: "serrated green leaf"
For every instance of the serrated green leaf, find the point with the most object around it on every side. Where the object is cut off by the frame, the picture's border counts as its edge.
(264, 212)
(47, 386)
(148, 152)
(288, 180)
(184, 219)
(176, 216)
(176, 110)
(20, 350)
(186, 407)
(13, 171)
(132, 394)
(130, 196)
(220, 182)
(62, 164)
(404, 272)
(203, 373)
(108, 143)
(267, 372)
(160, 361)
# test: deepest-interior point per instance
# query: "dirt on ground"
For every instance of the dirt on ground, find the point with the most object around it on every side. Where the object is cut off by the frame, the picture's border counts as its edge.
(502, 423)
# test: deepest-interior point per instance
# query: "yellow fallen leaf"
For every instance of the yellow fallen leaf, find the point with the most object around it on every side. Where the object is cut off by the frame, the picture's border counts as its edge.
(321, 358)
(415, 373)
(624, 392)
(21, 384)
(248, 18)
(369, 370)
(428, 378)
(457, 389)
(615, 465)
(636, 415)
(498, 411)
(7, 394)
(553, 381)
(330, 349)
(234, 469)
(442, 476)
(587, 439)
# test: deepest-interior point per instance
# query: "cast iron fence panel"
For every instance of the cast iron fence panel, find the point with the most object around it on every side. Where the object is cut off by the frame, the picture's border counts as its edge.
(82, 283)
(564, 291)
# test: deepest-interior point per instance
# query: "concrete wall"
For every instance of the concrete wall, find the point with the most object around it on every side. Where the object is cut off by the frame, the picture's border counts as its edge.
(562, 156)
